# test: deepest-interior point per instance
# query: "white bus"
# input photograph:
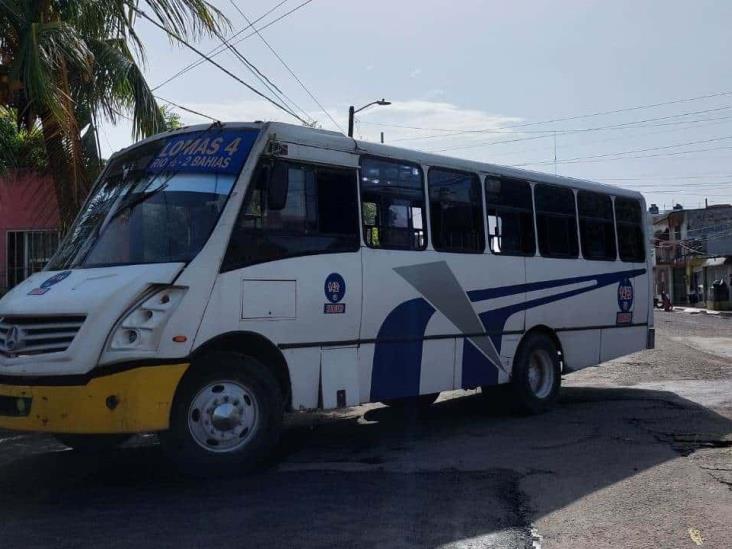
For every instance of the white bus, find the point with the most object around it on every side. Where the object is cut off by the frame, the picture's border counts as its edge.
(220, 276)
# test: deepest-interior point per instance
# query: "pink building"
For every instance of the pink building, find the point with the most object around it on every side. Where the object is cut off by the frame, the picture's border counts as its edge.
(29, 223)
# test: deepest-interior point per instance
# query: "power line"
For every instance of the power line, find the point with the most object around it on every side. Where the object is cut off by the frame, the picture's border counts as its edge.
(622, 126)
(216, 51)
(231, 74)
(584, 143)
(692, 176)
(259, 75)
(649, 155)
(186, 108)
(284, 64)
(576, 117)
(634, 151)
(719, 184)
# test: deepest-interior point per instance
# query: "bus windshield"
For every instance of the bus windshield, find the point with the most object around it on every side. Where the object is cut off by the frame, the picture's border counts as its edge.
(158, 203)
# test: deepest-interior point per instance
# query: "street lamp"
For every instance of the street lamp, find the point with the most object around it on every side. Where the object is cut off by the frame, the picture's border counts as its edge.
(352, 112)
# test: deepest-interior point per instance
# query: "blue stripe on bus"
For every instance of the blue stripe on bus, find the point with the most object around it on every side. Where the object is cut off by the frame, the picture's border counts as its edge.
(397, 365)
(477, 369)
(602, 280)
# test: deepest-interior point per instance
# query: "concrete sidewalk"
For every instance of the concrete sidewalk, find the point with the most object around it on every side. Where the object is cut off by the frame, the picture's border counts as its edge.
(700, 310)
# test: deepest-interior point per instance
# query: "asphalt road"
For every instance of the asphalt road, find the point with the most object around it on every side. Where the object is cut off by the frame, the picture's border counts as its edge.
(637, 454)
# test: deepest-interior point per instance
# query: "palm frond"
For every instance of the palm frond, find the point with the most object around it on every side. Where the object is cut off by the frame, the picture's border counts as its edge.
(188, 17)
(121, 86)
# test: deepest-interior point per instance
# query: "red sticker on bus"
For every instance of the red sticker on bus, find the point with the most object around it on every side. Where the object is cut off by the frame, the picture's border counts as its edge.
(334, 308)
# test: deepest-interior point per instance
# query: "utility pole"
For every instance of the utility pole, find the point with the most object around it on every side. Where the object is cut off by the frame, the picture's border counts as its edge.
(382, 138)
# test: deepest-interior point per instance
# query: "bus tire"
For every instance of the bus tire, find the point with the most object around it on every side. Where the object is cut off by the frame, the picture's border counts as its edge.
(226, 416)
(91, 444)
(536, 375)
(420, 402)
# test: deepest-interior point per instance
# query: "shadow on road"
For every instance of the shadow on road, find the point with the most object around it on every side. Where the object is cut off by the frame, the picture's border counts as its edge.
(452, 474)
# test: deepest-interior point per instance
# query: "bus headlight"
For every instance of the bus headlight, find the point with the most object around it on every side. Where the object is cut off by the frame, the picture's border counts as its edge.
(142, 326)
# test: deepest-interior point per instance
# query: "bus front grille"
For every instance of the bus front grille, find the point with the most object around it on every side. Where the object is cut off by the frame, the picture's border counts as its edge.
(37, 335)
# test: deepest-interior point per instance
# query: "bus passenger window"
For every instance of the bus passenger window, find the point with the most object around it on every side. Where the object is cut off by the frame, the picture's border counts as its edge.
(392, 204)
(456, 212)
(319, 215)
(556, 221)
(597, 234)
(629, 221)
(510, 216)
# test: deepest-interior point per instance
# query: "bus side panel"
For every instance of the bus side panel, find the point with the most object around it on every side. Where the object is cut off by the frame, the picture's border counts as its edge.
(438, 357)
(570, 302)
(427, 314)
(396, 320)
(304, 368)
(622, 341)
(574, 294)
(500, 303)
(618, 342)
(286, 302)
(581, 348)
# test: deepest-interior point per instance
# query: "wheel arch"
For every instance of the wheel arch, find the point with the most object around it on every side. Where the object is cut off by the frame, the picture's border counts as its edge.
(544, 330)
(256, 346)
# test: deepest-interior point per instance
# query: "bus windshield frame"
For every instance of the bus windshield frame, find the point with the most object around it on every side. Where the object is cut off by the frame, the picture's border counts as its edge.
(159, 202)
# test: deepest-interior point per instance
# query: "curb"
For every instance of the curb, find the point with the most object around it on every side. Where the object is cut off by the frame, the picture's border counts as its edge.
(695, 311)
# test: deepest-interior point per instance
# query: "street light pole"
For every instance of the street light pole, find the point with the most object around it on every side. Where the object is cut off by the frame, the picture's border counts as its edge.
(352, 112)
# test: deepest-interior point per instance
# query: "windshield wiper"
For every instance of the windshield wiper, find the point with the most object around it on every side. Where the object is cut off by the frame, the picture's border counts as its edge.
(134, 202)
(126, 205)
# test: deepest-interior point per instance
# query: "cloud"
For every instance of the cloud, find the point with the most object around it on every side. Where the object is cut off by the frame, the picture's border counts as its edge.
(415, 73)
(434, 94)
(247, 110)
(432, 124)
(426, 124)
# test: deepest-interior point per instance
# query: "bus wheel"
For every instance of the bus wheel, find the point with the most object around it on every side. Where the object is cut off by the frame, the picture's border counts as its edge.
(91, 444)
(420, 402)
(536, 375)
(227, 415)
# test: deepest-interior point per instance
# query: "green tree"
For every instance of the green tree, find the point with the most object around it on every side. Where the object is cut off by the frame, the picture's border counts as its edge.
(20, 147)
(171, 119)
(65, 62)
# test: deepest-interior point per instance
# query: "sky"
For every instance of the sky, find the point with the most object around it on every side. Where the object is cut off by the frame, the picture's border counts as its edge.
(571, 87)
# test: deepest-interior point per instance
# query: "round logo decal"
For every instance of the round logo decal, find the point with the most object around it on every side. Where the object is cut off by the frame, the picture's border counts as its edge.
(625, 295)
(335, 287)
(55, 279)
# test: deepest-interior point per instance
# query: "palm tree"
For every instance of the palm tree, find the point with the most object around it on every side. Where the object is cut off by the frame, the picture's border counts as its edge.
(64, 62)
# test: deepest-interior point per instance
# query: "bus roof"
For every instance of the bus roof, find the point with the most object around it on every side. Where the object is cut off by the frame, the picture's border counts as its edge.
(333, 140)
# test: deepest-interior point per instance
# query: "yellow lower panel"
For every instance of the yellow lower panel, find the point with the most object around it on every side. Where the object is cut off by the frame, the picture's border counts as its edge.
(134, 401)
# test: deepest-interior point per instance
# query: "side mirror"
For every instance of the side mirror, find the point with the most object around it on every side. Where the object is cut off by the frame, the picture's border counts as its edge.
(277, 187)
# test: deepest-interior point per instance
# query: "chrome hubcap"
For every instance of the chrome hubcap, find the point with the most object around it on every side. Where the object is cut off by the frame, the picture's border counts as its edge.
(223, 416)
(541, 373)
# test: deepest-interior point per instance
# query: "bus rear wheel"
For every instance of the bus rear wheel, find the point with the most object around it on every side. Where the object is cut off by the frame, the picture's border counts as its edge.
(537, 375)
(227, 415)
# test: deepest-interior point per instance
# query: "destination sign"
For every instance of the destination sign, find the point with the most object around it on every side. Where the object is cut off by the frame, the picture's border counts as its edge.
(209, 151)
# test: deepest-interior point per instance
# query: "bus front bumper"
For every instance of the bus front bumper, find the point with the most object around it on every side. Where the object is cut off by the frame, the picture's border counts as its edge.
(131, 401)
